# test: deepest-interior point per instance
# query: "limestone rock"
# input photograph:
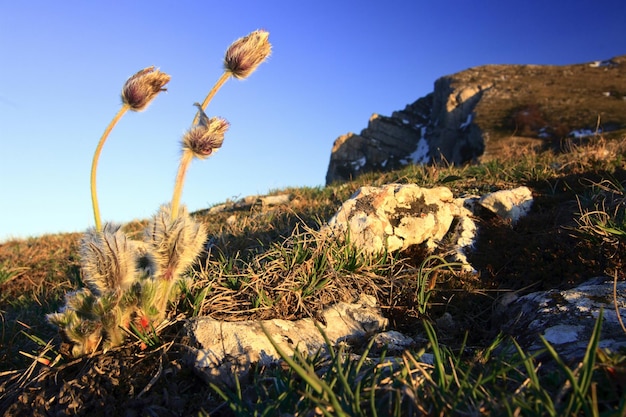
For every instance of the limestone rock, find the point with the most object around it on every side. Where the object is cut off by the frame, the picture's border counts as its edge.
(566, 318)
(396, 216)
(248, 202)
(392, 341)
(509, 204)
(225, 348)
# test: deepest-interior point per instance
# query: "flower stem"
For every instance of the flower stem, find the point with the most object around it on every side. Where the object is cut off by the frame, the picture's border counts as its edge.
(187, 156)
(220, 82)
(94, 165)
(185, 160)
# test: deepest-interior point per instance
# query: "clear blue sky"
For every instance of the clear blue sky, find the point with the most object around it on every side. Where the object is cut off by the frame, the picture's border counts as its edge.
(334, 63)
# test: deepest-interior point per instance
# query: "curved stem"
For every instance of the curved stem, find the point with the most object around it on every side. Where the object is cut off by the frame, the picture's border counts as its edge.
(185, 160)
(94, 165)
(220, 82)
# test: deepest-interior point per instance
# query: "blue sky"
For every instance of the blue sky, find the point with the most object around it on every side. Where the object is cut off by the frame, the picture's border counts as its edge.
(334, 63)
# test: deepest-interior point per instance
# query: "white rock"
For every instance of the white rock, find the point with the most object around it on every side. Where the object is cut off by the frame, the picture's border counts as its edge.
(274, 200)
(562, 333)
(225, 348)
(509, 204)
(395, 216)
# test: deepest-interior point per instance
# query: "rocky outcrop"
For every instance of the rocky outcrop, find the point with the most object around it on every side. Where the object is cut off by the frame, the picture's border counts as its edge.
(387, 143)
(487, 111)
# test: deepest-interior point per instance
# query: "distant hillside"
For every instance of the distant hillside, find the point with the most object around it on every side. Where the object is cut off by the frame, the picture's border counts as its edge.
(481, 112)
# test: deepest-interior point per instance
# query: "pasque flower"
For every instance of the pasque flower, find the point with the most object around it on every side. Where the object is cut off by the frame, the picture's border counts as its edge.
(128, 284)
(247, 53)
(108, 260)
(140, 89)
(242, 57)
(176, 242)
(206, 136)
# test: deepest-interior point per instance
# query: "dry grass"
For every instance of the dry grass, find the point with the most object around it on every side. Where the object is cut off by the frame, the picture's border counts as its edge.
(272, 262)
(528, 99)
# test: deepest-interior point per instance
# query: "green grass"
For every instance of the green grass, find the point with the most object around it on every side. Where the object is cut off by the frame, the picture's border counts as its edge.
(274, 263)
(507, 383)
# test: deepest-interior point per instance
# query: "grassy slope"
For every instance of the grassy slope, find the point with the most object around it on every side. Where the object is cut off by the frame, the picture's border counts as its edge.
(262, 261)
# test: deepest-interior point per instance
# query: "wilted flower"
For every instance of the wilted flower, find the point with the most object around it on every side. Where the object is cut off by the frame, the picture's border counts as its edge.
(247, 53)
(140, 89)
(206, 136)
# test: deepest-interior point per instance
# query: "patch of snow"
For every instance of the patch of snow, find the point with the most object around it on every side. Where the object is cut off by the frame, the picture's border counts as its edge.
(421, 154)
(583, 133)
(543, 134)
(605, 63)
(384, 163)
(465, 235)
(406, 122)
(467, 121)
(359, 163)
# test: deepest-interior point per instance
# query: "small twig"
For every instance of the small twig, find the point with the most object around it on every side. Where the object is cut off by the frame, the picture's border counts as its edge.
(154, 379)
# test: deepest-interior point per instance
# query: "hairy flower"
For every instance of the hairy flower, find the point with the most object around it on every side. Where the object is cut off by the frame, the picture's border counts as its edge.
(175, 243)
(206, 136)
(140, 89)
(247, 53)
(82, 334)
(108, 260)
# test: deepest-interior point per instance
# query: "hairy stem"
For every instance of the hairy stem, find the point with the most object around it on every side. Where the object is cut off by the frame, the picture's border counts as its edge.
(185, 160)
(94, 165)
(220, 82)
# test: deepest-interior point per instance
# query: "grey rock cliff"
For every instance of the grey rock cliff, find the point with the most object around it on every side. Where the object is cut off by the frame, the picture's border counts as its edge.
(386, 144)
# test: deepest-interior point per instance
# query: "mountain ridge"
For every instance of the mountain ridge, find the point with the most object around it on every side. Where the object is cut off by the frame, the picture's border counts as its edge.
(481, 112)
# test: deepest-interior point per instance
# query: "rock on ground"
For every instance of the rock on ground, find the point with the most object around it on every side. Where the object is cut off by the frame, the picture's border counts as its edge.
(566, 318)
(228, 348)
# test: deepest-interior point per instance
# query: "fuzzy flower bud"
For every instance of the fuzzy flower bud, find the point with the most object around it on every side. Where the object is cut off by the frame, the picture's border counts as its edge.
(140, 89)
(247, 53)
(206, 136)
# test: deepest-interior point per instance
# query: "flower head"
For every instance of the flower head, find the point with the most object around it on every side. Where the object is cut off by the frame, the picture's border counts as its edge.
(140, 89)
(247, 53)
(108, 260)
(206, 136)
(175, 243)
